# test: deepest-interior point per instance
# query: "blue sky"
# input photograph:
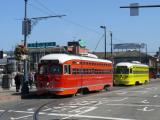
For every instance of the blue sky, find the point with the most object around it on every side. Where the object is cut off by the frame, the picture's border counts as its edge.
(82, 22)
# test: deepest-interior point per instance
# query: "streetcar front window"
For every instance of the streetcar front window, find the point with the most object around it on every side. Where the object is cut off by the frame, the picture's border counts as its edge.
(122, 70)
(56, 69)
(43, 69)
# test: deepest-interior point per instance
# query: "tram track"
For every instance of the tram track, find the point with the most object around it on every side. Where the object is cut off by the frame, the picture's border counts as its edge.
(41, 104)
(38, 110)
(36, 113)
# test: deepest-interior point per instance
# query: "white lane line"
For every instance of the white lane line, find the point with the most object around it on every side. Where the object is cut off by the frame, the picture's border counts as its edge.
(155, 96)
(88, 116)
(47, 109)
(145, 101)
(152, 88)
(2, 110)
(122, 93)
(84, 109)
(30, 109)
(29, 112)
(133, 105)
(120, 99)
(99, 103)
(69, 115)
(14, 118)
(145, 109)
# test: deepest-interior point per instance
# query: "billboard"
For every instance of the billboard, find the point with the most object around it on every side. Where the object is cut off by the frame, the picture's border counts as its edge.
(128, 46)
(41, 45)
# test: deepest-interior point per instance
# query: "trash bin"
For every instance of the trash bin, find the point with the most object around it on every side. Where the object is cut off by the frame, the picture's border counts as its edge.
(6, 81)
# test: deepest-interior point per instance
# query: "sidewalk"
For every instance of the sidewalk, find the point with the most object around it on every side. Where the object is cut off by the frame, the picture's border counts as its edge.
(10, 95)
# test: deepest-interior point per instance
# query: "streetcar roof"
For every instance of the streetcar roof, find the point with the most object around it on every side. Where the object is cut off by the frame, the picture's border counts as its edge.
(65, 57)
(129, 64)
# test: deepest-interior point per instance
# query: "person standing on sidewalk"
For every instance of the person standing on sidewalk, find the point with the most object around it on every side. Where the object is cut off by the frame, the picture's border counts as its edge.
(31, 79)
(17, 81)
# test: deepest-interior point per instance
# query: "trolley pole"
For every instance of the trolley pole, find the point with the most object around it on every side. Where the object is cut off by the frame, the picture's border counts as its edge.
(25, 87)
(104, 27)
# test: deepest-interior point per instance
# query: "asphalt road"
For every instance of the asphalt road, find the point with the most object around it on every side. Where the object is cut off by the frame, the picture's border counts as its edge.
(122, 103)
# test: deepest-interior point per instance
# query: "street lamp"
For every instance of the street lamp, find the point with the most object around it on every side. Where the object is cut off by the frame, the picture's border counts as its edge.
(104, 27)
(26, 32)
(111, 44)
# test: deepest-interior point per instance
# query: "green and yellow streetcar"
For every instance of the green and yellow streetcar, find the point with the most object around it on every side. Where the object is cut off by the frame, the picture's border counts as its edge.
(131, 73)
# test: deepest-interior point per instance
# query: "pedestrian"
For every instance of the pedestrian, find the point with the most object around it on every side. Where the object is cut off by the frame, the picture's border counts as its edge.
(31, 79)
(35, 79)
(17, 81)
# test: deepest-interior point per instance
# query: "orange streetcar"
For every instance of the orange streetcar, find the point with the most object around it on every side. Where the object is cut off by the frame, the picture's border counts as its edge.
(64, 74)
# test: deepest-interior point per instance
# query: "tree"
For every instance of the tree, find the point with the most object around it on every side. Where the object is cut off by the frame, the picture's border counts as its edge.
(20, 51)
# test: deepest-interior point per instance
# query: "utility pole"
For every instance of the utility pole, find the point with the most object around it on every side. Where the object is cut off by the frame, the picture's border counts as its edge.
(104, 27)
(111, 44)
(147, 56)
(26, 30)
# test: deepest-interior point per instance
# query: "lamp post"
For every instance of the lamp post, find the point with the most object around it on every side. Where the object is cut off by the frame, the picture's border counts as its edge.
(111, 44)
(104, 27)
(25, 88)
(147, 61)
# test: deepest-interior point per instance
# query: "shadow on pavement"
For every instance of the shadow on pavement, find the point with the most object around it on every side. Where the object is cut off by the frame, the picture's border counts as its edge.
(34, 95)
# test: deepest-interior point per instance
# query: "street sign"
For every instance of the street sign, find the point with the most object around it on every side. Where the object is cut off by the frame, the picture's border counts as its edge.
(26, 27)
(134, 10)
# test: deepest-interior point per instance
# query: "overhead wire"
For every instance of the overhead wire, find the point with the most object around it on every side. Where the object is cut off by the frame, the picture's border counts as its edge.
(35, 7)
(45, 7)
(50, 12)
(66, 20)
(99, 42)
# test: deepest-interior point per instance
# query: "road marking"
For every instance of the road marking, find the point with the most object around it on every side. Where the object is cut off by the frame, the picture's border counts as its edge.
(152, 88)
(99, 103)
(30, 109)
(68, 115)
(122, 92)
(133, 105)
(125, 92)
(2, 110)
(29, 112)
(142, 91)
(145, 101)
(14, 118)
(155, 96)
(83, 109)
(88, 116)
(47, 109)
(145, 109)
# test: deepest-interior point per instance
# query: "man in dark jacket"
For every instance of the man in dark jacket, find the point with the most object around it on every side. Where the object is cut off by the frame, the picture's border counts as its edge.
(17, 81)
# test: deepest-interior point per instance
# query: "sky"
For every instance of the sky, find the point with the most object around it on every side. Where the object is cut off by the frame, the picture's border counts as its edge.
(82, 21)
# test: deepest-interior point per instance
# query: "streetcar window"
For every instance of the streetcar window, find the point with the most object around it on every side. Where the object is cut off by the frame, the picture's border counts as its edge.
(55, 69)
(122, 70)
(130, 70)
(67, 69)
(43, 69)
